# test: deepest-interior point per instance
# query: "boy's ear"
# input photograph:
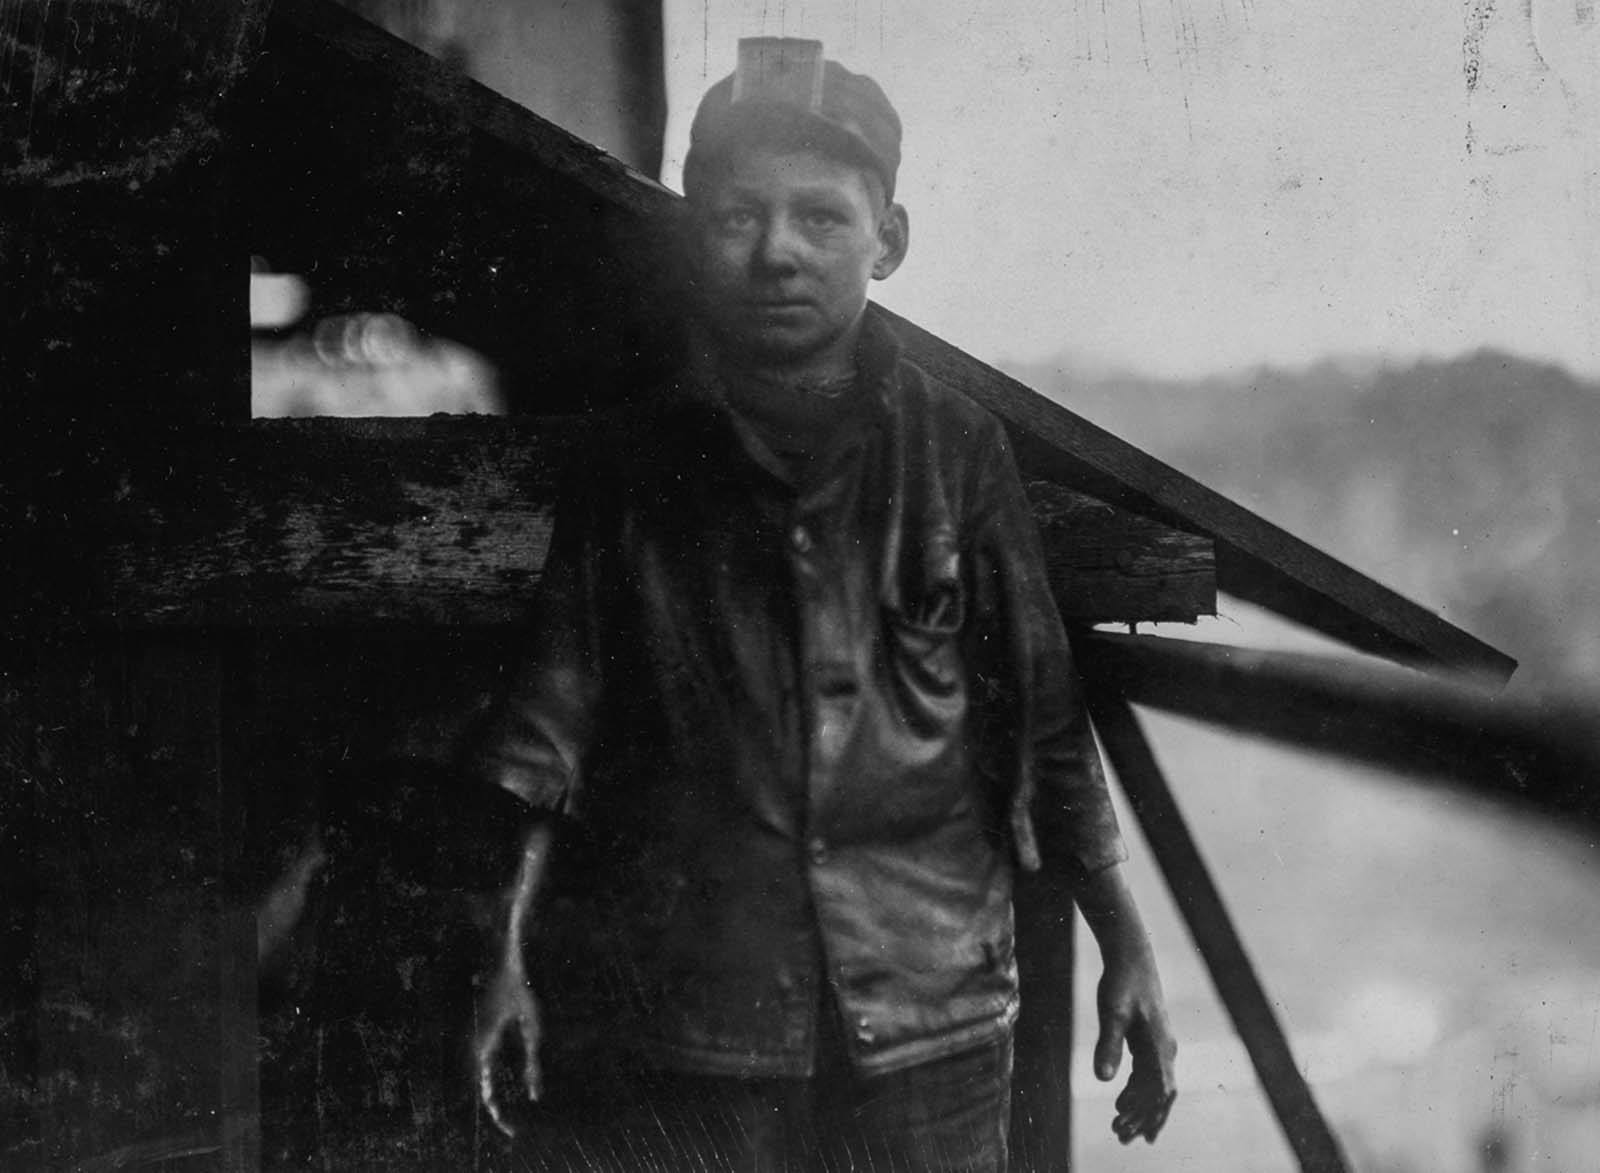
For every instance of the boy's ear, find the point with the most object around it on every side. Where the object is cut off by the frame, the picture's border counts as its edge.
(894, 239)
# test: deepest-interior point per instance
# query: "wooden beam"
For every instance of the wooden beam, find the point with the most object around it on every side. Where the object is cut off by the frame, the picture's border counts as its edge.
(1041, 1086)
(349, 523)
(1257, 561)
(1109, 564)
(322, 28)
(1546, 754)
(436, 522)
(1201, 904)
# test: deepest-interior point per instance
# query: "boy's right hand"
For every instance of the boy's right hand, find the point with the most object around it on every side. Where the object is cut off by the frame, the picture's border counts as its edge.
(507, 1005)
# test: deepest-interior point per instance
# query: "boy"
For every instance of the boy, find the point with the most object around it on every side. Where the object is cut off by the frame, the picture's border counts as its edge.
(798, 676)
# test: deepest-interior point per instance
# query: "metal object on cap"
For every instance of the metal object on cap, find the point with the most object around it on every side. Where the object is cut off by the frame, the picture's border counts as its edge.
(780, 69)
(784, 89)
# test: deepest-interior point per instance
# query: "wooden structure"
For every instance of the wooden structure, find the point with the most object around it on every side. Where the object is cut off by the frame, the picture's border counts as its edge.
(218, 616)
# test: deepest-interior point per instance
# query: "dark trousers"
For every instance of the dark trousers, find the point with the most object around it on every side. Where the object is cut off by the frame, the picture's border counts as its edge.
(947, 1115)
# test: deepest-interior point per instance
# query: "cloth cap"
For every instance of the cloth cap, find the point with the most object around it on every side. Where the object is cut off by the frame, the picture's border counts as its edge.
(785, 91)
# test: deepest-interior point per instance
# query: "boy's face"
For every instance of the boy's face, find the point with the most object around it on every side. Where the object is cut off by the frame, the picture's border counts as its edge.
(785, 242)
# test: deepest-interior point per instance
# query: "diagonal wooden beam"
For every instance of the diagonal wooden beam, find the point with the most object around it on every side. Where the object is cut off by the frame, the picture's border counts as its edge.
(323, 28)
(1256, 560)
(1201, 904)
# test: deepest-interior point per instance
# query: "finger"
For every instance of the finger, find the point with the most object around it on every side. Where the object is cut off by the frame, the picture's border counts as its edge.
(486, 1098)
(1136, 1093)
(532, 1075)
(1154, 1120)
(1131, 1112)
(1126, 1127)
(1158, 1119)
(1108, 1049)
(1130, 1126)
(1144, 1119)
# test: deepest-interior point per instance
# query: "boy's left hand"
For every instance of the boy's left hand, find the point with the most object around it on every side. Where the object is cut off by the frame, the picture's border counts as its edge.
(1133, 1010)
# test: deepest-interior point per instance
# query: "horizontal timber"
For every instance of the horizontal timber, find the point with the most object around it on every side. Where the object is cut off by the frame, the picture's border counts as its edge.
(355, 523)
(1543, 753)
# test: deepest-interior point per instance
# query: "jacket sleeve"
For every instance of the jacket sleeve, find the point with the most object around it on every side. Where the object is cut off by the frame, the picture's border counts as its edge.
(1032, 695)
(539, 732)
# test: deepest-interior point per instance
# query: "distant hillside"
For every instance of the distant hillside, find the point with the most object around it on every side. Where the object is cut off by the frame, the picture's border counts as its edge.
(1469, 485)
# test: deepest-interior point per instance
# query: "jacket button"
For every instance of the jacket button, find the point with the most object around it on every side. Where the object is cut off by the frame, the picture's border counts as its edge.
(818, 851)
(800, 539)
(864, 1034)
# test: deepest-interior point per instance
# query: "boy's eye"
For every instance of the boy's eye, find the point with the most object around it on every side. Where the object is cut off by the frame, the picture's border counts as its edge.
(822, 218)
(735, 218)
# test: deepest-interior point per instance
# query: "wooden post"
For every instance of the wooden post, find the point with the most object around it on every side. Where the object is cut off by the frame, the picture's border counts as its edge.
(1041, 1089)
(238, 1020)
(20, 1132)
(1214, 933)
(124, 280)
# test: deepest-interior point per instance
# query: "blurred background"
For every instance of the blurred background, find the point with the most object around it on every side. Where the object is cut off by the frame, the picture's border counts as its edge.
(1339, 262)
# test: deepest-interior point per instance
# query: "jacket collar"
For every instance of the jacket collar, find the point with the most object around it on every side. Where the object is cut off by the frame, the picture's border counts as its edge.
(877, 357)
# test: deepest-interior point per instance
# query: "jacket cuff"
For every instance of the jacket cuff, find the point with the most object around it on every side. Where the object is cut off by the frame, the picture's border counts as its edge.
(534, 788)
(1090, 848)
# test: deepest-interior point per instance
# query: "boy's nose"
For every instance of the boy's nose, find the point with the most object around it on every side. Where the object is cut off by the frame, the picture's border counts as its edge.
(778, 247)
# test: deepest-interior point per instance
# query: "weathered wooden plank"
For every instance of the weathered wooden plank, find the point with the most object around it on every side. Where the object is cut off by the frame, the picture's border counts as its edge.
(1177, 854)
(1109, 564)
(446, 521)
(335, 523)
(1545, 754)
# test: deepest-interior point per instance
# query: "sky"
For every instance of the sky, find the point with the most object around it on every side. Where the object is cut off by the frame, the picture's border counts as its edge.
(1186, 187)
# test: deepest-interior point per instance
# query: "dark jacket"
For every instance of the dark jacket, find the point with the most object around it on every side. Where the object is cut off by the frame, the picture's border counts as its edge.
(809, 726)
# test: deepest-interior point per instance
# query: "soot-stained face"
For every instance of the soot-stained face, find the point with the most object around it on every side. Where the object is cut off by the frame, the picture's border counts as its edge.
(785, 243)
